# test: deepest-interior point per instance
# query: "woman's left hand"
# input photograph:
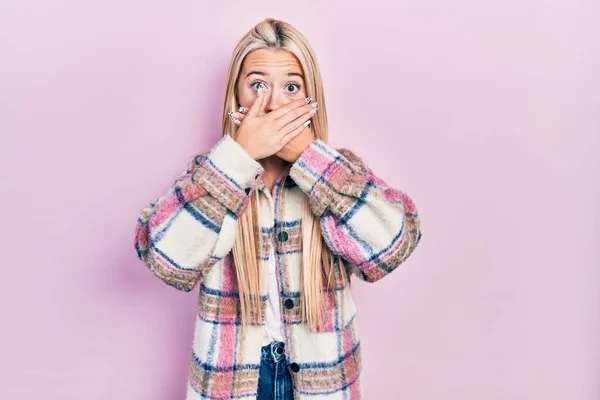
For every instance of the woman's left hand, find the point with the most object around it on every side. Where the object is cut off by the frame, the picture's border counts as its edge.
(295, 147)
(291, 151)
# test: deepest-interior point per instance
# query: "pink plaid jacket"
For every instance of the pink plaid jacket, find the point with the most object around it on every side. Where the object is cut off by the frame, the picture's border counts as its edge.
(185, 238)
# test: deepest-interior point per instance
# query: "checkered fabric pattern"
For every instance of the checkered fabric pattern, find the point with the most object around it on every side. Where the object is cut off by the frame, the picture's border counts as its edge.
(185, 238)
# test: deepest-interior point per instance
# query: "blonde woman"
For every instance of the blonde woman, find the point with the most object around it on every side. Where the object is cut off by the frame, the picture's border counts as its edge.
(270, 224)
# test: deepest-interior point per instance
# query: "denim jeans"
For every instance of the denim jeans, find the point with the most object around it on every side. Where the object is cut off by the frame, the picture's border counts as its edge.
(274, 379)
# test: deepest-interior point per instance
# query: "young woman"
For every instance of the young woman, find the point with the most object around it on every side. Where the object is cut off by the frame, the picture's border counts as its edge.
(271, 223)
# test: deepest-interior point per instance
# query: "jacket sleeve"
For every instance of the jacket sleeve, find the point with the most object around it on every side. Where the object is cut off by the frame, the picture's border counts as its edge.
(187, 230)
(371, 225)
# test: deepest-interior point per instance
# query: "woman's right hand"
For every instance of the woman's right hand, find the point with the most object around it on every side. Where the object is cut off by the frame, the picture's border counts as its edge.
(262, 135)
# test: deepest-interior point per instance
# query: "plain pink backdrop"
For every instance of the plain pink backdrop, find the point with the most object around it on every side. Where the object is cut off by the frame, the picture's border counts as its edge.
(485, 113)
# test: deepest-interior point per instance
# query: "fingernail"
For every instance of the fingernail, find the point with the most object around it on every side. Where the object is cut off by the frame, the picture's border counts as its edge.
(307, 123)
(315, 104)
(230, 113)
(308, 99)
(242, 109)
(236, 121)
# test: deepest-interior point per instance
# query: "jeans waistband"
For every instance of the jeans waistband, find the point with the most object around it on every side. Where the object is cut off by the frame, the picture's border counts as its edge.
(275, 352)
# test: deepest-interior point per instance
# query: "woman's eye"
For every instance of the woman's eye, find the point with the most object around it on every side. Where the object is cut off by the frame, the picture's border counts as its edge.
(258, 84)
(292, 88)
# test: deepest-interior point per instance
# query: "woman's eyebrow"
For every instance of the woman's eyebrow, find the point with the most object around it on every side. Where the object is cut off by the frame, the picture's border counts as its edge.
(257, 73)
(295, 74)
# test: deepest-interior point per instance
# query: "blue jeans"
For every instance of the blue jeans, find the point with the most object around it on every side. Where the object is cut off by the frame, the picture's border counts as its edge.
(274, 379)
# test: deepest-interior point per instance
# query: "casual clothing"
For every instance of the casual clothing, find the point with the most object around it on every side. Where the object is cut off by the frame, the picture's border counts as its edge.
(185, 238)
(273, 325)
(274, 377)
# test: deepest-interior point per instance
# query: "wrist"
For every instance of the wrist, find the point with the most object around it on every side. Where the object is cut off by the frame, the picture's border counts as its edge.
(244, 145)
(302, 149)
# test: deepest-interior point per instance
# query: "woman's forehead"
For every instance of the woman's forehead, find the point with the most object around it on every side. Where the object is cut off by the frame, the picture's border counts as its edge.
(271, 62)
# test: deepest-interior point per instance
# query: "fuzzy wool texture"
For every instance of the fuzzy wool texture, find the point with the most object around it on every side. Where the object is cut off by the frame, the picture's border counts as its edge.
(185, 238)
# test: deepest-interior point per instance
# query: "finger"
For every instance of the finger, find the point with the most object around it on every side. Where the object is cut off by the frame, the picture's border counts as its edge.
(290, 136)
(236, 118)
(256, 105)
(264, 103)
(302, 121)
(296, 117)
(290, 106)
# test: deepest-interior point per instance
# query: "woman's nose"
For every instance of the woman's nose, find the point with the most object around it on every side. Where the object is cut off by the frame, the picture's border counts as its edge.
(274, 102)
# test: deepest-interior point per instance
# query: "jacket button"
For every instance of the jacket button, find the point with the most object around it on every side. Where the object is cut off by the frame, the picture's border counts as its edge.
(289, 304)
(247, 190)
(282, 236)
(295, 367)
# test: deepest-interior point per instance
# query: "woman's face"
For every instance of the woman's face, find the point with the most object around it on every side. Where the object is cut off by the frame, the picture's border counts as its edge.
(280, 73)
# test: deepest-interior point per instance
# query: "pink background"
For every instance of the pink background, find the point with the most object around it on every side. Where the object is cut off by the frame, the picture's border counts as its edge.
(486, 113)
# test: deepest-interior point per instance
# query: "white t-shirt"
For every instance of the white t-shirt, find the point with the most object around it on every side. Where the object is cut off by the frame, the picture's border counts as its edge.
(273, 311)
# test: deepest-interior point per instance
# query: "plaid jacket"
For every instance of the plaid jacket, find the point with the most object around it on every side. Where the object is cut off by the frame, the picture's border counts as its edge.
(185, 238)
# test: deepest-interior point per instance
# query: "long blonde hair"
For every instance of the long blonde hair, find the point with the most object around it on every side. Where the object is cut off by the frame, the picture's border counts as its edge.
(318, 264)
